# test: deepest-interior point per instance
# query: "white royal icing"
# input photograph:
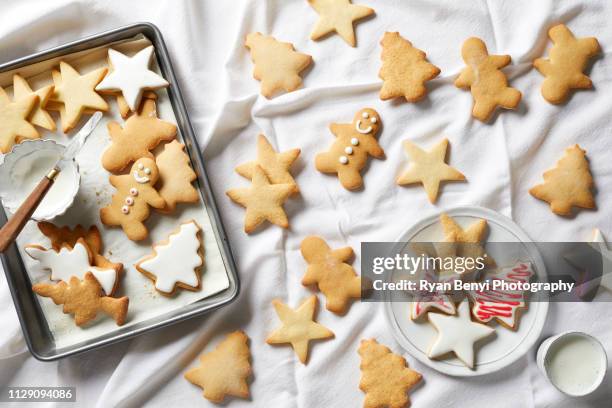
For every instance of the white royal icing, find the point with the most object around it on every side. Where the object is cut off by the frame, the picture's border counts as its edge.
(360, 130)
(355, 141)
(176, 260)
(131, 76)
(134, 191)
(348, 150)
(72, 262)
(343, 159)
(141, 179)
(129, 201)
(373, 120)
(365, 115)
(457, 333)
(125, 209)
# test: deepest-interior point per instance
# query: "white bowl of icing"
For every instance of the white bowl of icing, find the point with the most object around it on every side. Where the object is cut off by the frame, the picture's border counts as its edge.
(25, 166)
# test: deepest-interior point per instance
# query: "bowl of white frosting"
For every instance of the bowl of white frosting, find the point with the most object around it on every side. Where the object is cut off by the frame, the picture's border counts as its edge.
(25, 166)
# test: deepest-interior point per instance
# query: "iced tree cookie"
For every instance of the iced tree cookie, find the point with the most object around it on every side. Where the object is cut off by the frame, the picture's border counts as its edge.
(176, 262)
(349, 153)
(277, 64)
(483, 76)
(337, 16)
(14, 125)
(176, 176)
(39, 116)
(130, 204)
(565, 66)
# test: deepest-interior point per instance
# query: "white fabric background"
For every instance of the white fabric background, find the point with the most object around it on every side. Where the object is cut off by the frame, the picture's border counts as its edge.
(501, 160)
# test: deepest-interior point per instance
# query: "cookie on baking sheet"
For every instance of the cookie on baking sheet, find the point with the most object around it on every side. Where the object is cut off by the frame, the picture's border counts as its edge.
(275, 165)
(298, 327)
(328, 269)
(140, 134)
(75, 94)
(337, 16)
(428, 168)
(567, 185)
(277, 64)
(404, 70)
(176, 176)
(176, 262)
(131, 76)
(565, 66)
(385, 376)
(263, 201)
(483, 76)
(14, 125)
(124, 109)
(39, 116)
(349, 153)
(130, 203)
(225, 370)
(84, 299)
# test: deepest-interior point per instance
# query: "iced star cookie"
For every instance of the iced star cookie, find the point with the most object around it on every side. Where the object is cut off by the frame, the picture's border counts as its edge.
(385, 376)
(141, 133)
(457, 334)
(337, 16)
(263, 201)
(14, 125)
(75, 94)
(328, 269)
(405, 69)
(567, 185)
(428, 168)
(277, 64)
(275, 165)
(483, 76)
(176, 176)
(176, 262)
(73, 261)
(84, 299)
(130, 204)
(225, 370)
(131, 76)
(39, 116)
(349, 153)
(298, 327)
(568, 59)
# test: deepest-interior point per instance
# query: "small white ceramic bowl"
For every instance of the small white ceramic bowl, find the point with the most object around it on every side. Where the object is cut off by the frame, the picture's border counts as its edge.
(24, 167)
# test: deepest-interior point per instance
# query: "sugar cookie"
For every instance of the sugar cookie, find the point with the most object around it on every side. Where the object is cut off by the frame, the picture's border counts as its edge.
(176, 176)
(468, 241)
(337, 16)
(14, 126)
(39, 116)
(124, 109)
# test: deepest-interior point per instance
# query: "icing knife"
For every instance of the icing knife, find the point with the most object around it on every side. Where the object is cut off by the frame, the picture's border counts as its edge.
(15, 224)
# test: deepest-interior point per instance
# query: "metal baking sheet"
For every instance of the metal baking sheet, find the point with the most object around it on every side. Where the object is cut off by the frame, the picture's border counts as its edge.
(37, 333)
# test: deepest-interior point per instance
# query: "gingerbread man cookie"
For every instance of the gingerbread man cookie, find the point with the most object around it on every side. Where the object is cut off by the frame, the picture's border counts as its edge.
(483, 76)
(349, 153)
(130, 204)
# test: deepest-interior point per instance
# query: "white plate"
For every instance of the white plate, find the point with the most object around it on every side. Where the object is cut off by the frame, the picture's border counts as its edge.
(506, 346)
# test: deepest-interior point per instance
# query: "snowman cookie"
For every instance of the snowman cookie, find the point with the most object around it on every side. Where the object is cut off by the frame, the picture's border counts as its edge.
(349, 153)
(130, 204)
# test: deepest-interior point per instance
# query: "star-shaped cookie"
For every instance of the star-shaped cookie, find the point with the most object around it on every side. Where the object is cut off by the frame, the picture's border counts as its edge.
(263, 201)
(14, 126)
(337, 16)
(131, 76)
(428, 168)
(298, 327)
(225, 370)
(39, 116)
(468, 241)
(76, 93)
(275, 165)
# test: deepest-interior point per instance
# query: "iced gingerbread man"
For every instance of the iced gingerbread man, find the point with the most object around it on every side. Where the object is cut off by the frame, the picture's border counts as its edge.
(130, 204)
(349, 152)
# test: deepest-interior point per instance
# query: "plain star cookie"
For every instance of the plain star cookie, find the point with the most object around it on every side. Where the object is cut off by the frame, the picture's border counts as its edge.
(131, 76)
(176, 262)
(39, 116)
(176, 176)
(567, 185)
(385, 376)
(263, 201)
(275, 165)
(568, 59)
(76, 94)
(84, 299)
(428, 168)
(328, 269)
(14, 125)
(349, 153)
(225, 370)
(457, 334)
(277, 64)
(404, 70)
(483, 76)
(298, 327)
(337, 16)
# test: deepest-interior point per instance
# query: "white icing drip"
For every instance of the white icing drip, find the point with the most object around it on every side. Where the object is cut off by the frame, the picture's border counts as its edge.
(360, 130)
(139, 179)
